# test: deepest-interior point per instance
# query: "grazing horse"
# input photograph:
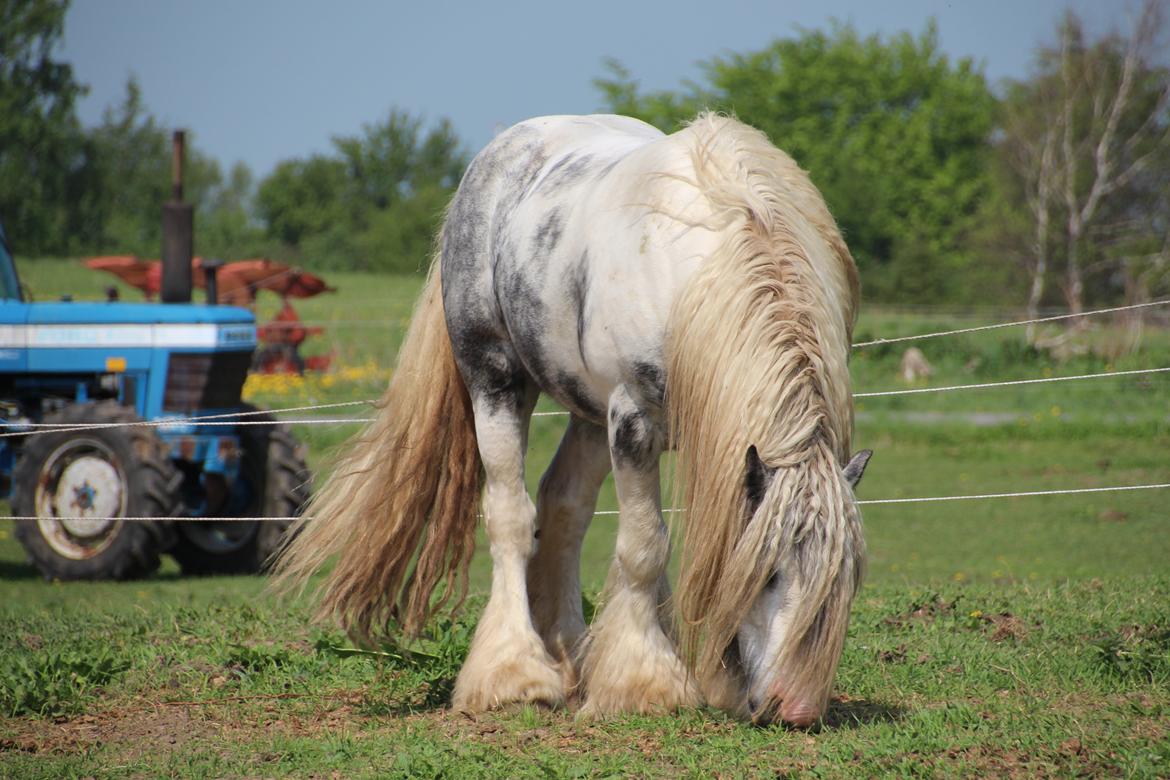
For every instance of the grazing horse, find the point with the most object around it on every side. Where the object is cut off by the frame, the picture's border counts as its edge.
(687, 291)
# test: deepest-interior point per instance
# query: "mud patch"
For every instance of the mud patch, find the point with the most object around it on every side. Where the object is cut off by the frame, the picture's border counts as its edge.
(922, 612)
(1004, 626)
(153, 729)
(164, 726)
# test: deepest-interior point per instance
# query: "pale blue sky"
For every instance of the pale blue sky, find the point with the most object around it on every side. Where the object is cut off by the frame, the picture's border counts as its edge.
(266, 80)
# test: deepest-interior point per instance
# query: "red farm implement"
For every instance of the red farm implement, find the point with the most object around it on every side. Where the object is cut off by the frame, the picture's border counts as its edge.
(238, 283)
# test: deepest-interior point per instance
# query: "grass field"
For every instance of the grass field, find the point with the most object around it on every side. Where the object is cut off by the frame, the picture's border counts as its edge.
(1013, 637)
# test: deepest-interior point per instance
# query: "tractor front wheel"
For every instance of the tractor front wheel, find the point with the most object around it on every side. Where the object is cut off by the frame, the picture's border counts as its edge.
(74, 487)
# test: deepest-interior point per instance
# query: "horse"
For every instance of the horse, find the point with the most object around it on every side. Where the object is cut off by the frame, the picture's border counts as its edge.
(687, 291)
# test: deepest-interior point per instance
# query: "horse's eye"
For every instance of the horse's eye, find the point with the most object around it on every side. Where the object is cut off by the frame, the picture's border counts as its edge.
(773, 581)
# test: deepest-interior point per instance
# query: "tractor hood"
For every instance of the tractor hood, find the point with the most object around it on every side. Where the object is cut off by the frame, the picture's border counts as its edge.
(150, 325)
(136, 313)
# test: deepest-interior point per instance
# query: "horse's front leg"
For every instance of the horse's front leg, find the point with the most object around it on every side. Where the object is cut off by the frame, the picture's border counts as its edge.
(507, 661)
(631, 664)
(564, 508)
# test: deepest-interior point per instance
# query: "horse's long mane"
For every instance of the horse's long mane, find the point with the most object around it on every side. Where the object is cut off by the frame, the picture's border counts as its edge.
(757, 354)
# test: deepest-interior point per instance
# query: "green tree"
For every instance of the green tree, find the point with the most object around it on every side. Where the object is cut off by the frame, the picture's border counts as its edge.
(894, 134)
(303, 198)
(372, 205)
(1086, 142)
(41, 146)
(665, 109)
(225, 225)
(130, 170)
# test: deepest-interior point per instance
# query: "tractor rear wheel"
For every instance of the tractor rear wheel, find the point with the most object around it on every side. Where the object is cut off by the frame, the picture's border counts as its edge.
(275, 479)
(78, 484)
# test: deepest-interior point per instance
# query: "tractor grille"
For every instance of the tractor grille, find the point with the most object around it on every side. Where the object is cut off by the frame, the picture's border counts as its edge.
(205, 381)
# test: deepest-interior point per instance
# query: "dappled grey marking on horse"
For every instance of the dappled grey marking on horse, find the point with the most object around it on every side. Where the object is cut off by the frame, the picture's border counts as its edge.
(687, 291)
(565, 172)
(578, 294)
(548, 233)
(633, 437)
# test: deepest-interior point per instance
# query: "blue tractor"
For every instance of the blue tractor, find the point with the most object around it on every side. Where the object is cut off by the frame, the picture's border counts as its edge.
(100, 370)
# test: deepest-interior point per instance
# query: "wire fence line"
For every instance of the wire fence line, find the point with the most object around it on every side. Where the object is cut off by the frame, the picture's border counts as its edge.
(76, 518)
(974, 496)
(231, 418)
(380, 323)
(609, 512)
(206, 419)
(169, 422)
(1010, 383)
(1019, 494)
(1012, 324)
(235, 418)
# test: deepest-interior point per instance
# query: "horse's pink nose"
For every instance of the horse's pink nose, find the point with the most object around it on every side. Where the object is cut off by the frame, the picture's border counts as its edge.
(801, 714)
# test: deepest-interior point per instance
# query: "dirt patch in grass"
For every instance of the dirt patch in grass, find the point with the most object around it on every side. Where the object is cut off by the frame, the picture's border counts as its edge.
(1000, 627)
(677, 749)
(1112, 516)
(995, 761)
(142, 728)
(1006, 626)
(921, 612)
(133, 731)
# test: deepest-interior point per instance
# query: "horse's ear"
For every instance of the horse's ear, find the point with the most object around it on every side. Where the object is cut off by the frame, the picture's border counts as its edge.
(756, 479)
(856, 466)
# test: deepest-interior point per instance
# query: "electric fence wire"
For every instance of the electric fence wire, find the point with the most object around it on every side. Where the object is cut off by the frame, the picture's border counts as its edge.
(218, 419)
(605, 512)
(233, 418)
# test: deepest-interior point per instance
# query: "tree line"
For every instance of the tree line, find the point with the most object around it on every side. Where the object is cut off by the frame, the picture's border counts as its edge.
(373, 203)
(1053, 189)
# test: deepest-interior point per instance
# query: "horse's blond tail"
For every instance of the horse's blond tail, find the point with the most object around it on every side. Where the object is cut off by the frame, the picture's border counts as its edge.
(399, 510)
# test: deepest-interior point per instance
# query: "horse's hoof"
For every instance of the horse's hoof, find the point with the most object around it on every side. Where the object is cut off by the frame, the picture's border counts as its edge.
(493, 680)
(661, 686)
(508, 685)
(650, 699)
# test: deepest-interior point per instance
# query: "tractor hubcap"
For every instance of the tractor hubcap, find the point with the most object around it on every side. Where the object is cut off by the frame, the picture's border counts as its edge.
(81, 494)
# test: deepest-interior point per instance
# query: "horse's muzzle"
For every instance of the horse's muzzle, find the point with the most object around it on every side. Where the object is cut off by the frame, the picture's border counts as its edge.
(794, 712)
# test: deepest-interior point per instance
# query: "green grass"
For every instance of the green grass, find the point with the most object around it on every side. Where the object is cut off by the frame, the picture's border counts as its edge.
(959, 679)
(1022, 637)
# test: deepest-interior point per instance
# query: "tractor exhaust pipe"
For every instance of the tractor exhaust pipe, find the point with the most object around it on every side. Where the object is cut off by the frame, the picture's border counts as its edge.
(210, 268)
(178, 232)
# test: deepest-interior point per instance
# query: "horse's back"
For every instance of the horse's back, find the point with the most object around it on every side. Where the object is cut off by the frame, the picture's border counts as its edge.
(542, 268)
(570, 239)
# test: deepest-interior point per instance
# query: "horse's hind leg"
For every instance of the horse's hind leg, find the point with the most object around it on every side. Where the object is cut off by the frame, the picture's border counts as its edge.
(631, 664)
(565, 504)
(507, 661)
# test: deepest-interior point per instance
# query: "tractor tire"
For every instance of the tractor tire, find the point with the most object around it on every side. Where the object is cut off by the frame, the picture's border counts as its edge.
(273, 470)
(99, 474)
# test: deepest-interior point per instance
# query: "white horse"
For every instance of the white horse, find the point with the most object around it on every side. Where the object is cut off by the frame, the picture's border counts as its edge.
(687, 291)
